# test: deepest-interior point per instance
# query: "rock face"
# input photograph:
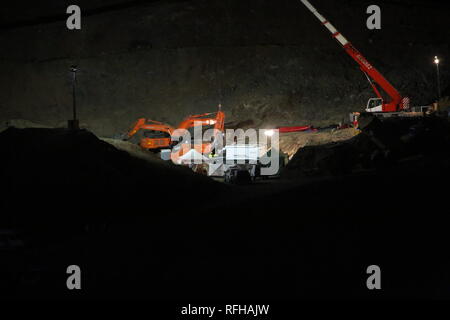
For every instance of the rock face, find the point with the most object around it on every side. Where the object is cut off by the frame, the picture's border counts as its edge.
(267, 61)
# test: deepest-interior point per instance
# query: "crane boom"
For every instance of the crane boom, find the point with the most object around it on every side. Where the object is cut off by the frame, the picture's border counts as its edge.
(396, 101)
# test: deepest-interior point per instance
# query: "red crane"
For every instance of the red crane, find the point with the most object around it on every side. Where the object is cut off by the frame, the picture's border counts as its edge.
(396, 101)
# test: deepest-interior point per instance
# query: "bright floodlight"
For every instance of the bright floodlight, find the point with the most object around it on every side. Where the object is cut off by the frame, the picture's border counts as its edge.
(436, 60)
(269, 133)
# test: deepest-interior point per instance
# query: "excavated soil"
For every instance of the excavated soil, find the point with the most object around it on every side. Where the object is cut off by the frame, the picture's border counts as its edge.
(63, 172)
(290, 143)
(379, 144)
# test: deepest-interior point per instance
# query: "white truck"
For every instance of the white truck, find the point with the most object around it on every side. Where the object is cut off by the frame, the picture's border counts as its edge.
(237, 163)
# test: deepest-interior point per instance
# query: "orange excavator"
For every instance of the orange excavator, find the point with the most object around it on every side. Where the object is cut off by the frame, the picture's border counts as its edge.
(158, 135)
(155, 135)
(213, 121)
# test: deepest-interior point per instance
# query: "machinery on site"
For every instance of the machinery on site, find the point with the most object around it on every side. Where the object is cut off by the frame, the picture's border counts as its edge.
(241, 163)
(394, 103)
(213, 121)
(237, 163)
(156, 135)
(198, 142)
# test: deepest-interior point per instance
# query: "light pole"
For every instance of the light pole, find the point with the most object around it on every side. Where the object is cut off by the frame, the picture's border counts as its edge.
(73, 124)
(436, 62)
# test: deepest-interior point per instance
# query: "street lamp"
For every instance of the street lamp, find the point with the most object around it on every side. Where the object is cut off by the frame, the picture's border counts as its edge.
(436, 62)
(73, 124)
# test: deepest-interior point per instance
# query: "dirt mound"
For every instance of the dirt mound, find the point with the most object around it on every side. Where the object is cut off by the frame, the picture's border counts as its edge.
(134, 150)
(57, 172)
(380, 144)
(290, 143)
(21, 124)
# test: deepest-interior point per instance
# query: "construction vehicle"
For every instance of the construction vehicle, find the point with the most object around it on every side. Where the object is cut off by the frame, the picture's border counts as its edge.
(156, 135)
(188, 146)
(207, 121)
(237, 163)
(395, 103)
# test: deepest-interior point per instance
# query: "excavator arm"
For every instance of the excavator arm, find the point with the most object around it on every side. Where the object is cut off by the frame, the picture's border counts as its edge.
(211, 120)
(215, 119)
(147, 124)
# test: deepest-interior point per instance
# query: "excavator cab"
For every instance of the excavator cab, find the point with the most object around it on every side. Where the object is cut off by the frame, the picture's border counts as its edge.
(152, 135)
(155, 140)
(374, 105)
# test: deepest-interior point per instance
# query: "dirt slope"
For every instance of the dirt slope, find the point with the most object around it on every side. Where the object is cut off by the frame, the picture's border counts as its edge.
(269, 61)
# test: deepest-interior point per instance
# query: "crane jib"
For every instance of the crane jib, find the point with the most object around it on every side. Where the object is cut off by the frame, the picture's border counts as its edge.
(364, 61)
(396, 102)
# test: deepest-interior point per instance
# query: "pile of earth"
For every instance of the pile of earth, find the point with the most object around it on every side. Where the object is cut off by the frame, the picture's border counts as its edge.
(380, 144)
(291, 142)
(131, 148)
(59, 175)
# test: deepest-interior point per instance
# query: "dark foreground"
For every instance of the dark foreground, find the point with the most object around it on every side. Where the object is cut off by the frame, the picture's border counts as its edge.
(141, 230)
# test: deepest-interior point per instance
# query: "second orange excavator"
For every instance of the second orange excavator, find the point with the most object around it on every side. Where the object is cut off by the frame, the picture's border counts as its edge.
(213, 121)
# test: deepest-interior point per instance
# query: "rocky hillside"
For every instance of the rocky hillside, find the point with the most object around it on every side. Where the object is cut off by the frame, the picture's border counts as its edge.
(268, 61)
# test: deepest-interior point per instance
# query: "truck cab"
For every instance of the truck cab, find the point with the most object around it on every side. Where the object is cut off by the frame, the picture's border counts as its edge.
(374, 105)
